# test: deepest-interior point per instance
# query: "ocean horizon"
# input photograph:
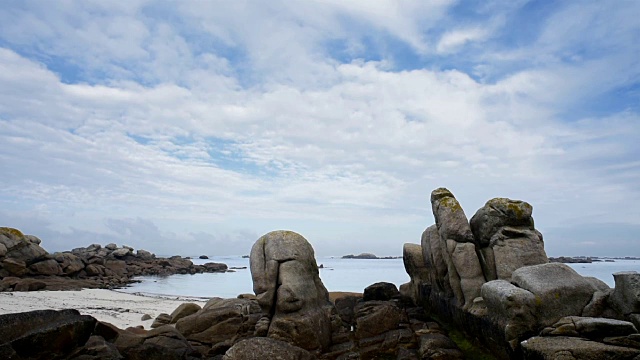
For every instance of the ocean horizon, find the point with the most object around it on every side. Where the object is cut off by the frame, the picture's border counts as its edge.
(337, 274)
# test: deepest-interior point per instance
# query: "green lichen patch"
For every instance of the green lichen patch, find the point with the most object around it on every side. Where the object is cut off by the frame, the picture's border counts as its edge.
(11, 231)
(470, 351)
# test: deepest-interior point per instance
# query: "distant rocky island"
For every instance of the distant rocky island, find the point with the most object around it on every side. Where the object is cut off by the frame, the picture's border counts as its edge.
(583, 259)
(369, 256)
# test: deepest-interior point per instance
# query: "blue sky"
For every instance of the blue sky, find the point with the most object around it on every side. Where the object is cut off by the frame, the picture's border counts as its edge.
(195, 127)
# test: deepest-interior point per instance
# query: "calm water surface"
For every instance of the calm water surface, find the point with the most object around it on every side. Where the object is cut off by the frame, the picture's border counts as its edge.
(337, 275)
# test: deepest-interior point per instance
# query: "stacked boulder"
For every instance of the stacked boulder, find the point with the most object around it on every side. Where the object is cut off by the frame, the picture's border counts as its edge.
(492, 278)
(26, 266)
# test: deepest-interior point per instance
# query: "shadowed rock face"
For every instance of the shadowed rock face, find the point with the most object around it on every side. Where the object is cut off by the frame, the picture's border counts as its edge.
(289, 290)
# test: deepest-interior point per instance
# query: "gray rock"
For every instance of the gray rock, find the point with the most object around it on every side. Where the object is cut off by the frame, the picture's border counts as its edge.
(503, 230)
(498, 213)
(590, 327)
(260, 348)
(438, 346)
(598, 328)
(598, 284)
(111, 246)
(433, 253)
(44, 334)
(382, 291)
(14, 266)
(93, 247)
(164, 342)
(514, 248)
(145, 255)
(451, 221)
(510, 307)
(183, 310)
(46, 267)
(468, 267)
(160, 320)
(97, 348)
(122, 252)
(3, 250)
(415, 266)
(69, 262)
(26, 251)
(288, 288)
(598, 305)
(221, 320)
(559, 290)
(376, 317)
(33, 239)
(570, 348)
(626, 295)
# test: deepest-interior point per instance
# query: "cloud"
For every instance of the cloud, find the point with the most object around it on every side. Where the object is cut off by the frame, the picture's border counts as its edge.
(453, 40)
(215, 124)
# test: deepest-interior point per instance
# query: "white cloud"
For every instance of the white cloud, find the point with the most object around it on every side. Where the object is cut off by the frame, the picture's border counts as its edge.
(234, 120)
(452, 41)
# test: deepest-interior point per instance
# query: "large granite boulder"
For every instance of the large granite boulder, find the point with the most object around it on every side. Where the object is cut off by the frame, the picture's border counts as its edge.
(463, 266)
(380, 291)
(506, 237)
(433, 253)
(573, 348)
(415, 266)
(625, 297)
(559, 290)
(46, 267)
(373, 318)
(184, 310)
(221, 321)
(20, 247)
(69, 263)
(590, 328)
(260, 348)
(43, 334)
(163, 343)
(511, 308)
(289, 290)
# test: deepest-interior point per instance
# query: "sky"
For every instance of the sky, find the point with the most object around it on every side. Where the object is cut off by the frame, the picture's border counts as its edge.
(195, 127)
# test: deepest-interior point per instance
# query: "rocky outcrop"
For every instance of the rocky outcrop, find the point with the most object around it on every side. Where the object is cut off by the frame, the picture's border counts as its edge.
(266, 348)
(506, 238)
(94, 266)
(289, 290)
(458, 249)
(492, 278)
(220, 324)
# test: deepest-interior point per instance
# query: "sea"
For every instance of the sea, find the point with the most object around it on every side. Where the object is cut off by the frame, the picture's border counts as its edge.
(337, 274)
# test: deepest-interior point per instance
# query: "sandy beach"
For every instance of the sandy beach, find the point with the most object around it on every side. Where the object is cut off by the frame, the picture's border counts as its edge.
(120, 309)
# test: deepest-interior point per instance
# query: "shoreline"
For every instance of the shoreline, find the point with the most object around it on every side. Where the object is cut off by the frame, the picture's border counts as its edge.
(115, 307)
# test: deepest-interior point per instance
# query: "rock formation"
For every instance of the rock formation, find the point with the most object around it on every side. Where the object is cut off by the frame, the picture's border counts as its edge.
(26, 266)
(289, 290)
(291, 317)
(491, 277)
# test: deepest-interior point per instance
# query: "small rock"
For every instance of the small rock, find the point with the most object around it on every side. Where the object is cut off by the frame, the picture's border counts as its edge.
(382, 291)
(162, 319)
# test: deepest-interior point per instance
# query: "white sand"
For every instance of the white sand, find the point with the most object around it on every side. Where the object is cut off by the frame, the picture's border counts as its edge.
(120, 309)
